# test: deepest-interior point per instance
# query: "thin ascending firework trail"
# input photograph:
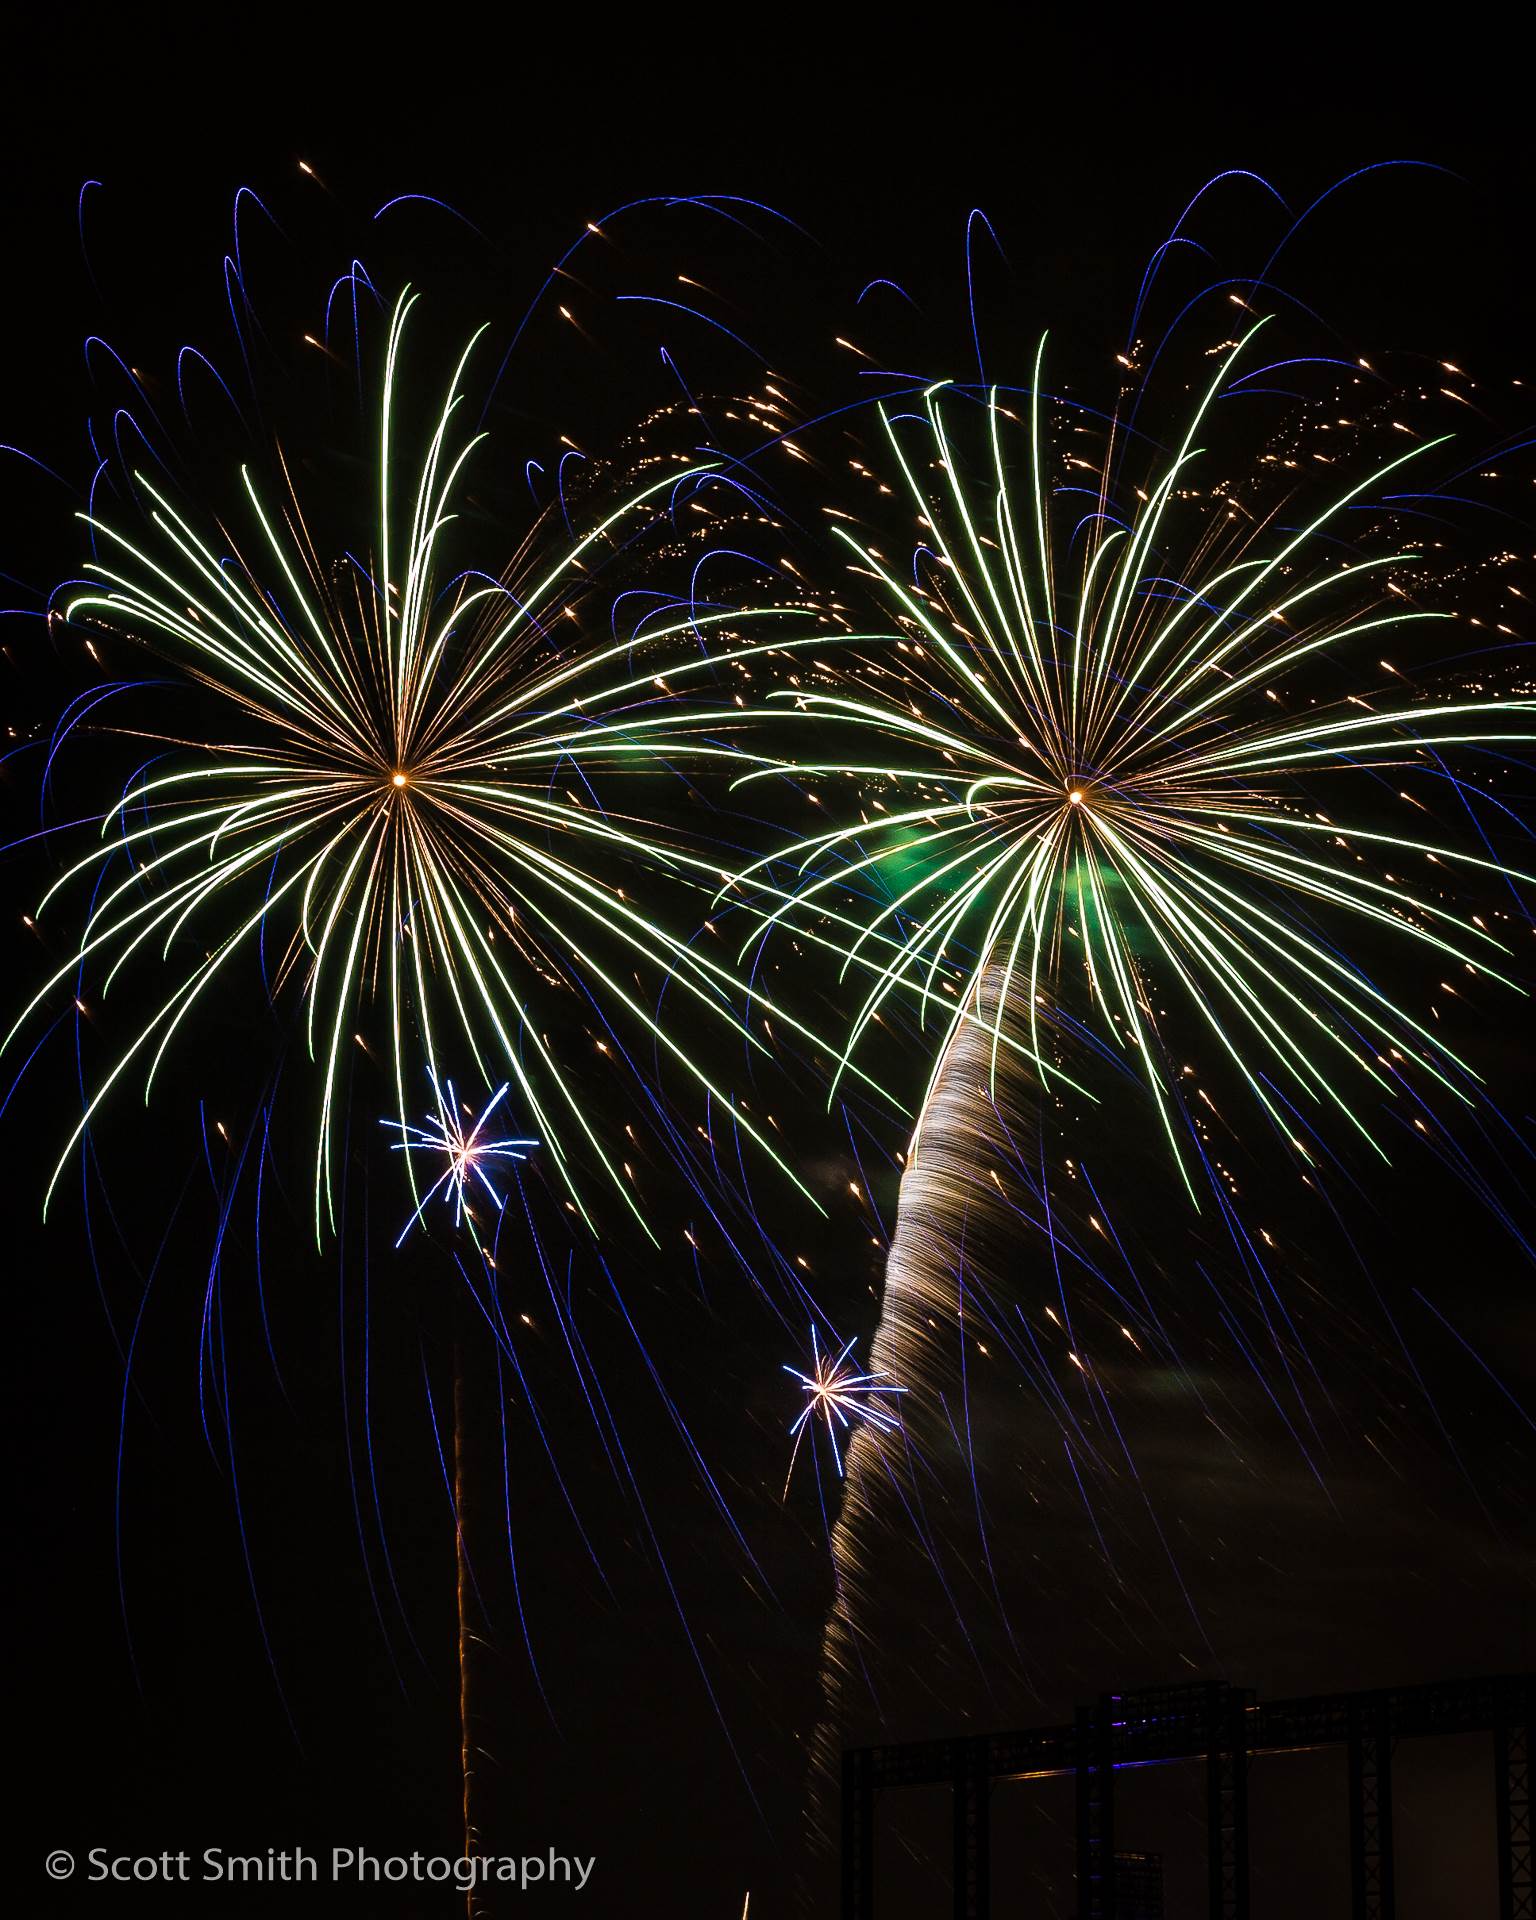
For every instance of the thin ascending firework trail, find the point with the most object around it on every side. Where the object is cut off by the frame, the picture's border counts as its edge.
(463, 1574)
(418, 802)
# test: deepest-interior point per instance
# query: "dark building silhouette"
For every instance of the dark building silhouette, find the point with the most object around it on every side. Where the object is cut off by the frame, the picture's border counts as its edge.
(1138, 1886)
(1224, 1726)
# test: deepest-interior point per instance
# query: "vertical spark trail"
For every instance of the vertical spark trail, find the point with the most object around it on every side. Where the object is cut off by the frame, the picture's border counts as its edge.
(918, 1340)
(463, 1577)
(1119, 1418)
(1028, 1322)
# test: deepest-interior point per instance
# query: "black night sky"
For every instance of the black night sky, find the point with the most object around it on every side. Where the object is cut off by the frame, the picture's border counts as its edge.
(300, 1690)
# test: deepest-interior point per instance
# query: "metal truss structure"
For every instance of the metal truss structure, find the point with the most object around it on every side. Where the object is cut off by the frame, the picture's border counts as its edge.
(1225, 1727)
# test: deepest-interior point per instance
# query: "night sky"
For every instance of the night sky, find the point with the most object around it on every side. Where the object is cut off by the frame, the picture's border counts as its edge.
(668, 1727)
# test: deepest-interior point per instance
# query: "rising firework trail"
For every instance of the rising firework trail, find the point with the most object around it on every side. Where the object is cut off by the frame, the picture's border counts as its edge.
(410, 806)
(1173, 784)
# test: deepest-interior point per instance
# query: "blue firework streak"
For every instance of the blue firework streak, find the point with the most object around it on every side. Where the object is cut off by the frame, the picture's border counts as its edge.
(466, 1150)
(286, 618)
(839, 1396)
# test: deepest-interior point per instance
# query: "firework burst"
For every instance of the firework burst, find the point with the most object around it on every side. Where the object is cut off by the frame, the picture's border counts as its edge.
(837, 1396)
(1149, 755)
(466, 1151)
(395, 796)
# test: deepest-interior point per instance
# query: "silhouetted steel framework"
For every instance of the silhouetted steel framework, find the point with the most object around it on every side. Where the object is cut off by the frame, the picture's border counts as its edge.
(1138, 1886)
(1225, 1726)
